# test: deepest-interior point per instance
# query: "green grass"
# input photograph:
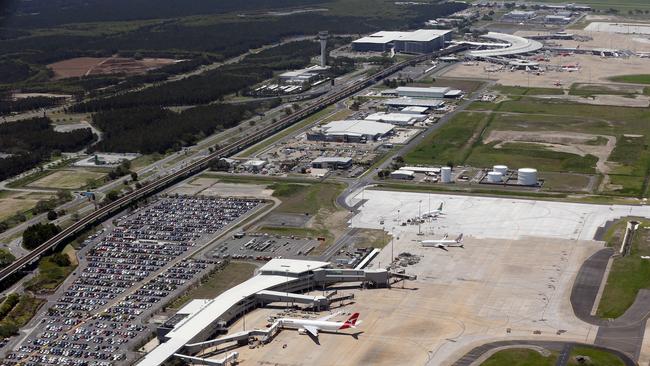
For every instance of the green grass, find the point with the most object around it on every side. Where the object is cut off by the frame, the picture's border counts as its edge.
(588, 90)
(521, 155)
(306, 198)
(598, 357)
(632, 79)
(20, 314)
(628, 274)
(520, 357)
(50, 275)
(216, 282)
(450, 143)
(564, 182)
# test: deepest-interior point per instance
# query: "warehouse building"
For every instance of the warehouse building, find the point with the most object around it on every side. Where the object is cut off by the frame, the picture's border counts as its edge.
(519, 16)
(302, 76)
(336, 162)
(419, 41)
(350, 131)
(414, 110)
(402, 174)
(414, 102)
(399, 119)
(431, 92)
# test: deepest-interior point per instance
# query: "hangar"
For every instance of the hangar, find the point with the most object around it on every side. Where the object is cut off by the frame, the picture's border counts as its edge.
(418, 41)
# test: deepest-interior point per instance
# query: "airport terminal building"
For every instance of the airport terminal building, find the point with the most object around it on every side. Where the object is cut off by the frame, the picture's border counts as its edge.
(419, 41)
(276, 281)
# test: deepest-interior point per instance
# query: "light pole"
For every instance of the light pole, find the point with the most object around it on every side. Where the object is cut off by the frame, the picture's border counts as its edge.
(308, 278)
(392, 240)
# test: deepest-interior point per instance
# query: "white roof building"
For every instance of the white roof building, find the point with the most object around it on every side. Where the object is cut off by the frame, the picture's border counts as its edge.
(402, 174)
(429, 92)
(400, 119)
(414, 110)
(517, 45)
(369, 129)
(413, 102)
(420, 35)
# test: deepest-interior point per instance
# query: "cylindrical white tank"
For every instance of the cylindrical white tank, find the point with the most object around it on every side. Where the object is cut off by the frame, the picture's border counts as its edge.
(494, 177)
(503, 169)
(445, 174)
(527, 177)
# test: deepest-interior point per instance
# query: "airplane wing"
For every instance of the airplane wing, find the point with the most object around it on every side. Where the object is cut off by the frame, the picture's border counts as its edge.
(328, 317)
(312, 330)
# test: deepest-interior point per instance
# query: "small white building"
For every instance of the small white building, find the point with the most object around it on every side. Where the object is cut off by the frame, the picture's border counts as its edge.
(519, 15)
(254, 165)
(336, 162)
(402, 174)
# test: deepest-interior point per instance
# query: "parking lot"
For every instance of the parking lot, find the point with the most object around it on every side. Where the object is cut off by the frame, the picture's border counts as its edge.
(264, 247)
(125, 274)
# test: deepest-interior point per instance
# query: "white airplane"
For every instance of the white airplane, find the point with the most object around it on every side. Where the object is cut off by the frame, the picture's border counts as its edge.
(444, 243)
(435, 213)
(312, 327)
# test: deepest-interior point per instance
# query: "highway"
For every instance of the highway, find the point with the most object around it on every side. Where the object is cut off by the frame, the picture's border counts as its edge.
(201, 164)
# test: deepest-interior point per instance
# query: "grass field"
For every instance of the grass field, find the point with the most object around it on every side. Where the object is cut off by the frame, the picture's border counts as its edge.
(20, 314)
(306, 198)
(461, 140)
(520, 357)
(632, 79)
(13, 202)
(451, 143)
(628, 274)
(598, 357)
(67, 179)
(216, 282)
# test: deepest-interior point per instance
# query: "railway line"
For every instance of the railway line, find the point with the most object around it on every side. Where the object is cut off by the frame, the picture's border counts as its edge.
(9, 272)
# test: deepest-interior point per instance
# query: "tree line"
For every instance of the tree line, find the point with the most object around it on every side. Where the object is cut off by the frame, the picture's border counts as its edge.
(155, 129)
(8, 106)
(29, 142)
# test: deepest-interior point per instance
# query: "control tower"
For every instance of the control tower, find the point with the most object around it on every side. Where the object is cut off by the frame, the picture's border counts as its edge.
(323, 47)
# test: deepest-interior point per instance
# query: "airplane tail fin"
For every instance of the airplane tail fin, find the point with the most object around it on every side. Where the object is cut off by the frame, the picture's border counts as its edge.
(440, 207)
(351, 322)
(459, 239)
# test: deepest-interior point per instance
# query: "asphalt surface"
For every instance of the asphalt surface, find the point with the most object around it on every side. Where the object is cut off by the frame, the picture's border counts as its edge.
(624, 333)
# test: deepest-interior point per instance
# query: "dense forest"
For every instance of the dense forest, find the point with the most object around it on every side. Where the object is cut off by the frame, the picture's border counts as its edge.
(155, 129)
(29, 142)
(8, 106)
(55, 12)
(214, 84)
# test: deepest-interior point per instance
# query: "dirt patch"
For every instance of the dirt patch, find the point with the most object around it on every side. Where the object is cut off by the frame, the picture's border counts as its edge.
(568, 142)
(85, 66)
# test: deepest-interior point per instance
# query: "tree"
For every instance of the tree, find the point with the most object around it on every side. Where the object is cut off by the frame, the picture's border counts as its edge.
(134, 176)
(52, 215)
(112, 196)
(38, 234)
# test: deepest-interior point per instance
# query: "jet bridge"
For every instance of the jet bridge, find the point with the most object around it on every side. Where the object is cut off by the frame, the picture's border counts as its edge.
(279, 296)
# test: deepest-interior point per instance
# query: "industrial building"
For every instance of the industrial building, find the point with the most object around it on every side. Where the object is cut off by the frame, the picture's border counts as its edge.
(435, 92)
(419, 41)
(519, 16)
(278, 280)
(413, 102)
(557, 19)
(350, 131)
(302, 76)
(414, 110)
(337, 162)
(399, 119)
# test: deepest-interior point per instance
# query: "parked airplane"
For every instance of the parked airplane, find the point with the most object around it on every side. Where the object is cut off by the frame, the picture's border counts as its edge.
(444, 243)
(312, 327)
(434, 213)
